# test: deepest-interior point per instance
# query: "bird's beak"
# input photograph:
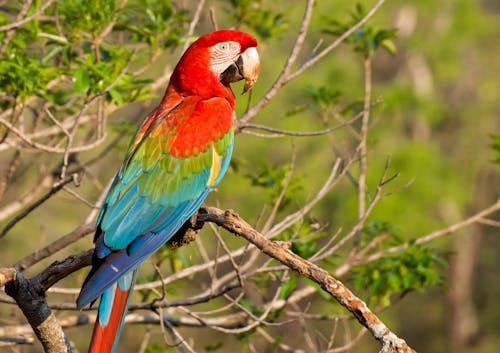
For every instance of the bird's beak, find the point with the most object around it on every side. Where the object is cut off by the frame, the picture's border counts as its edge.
(246, 67)
(250, 67)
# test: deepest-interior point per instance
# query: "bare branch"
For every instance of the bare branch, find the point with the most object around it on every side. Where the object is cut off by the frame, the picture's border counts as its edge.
(284, 188)
(313, 60)
(363, 136)
(283, 77)
(281, 132)
(233, 223)
(7, 275)
(213, 19)
(27, 210)
(29, 296)
(286, 75)
(46, 148)
(53, 247)
(19, 23)
(332, 180)
(477, 218)
(192, 25)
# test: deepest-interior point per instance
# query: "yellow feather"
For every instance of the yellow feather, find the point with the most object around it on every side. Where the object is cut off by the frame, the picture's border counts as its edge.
(215, 168)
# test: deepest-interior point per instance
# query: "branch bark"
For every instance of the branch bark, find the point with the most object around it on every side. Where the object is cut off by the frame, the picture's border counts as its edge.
(279, 251)
(30, 294)
(30, 297)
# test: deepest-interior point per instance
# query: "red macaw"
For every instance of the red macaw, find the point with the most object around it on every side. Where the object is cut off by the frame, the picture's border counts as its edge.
(181, 151)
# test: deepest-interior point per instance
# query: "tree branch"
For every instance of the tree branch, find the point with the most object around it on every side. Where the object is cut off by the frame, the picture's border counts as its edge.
(53, 247)
(26, 292)
(19, 23)
(30, 294)
(476, 218)
(233, 223)
(30, 297)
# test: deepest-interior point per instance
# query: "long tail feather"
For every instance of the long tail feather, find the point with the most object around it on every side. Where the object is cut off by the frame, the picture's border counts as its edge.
(111, 315)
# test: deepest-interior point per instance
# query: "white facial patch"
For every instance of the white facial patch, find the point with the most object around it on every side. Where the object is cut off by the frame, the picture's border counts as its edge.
(222, 55)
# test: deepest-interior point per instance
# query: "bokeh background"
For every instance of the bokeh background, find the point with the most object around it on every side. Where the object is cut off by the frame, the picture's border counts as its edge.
(438, 109)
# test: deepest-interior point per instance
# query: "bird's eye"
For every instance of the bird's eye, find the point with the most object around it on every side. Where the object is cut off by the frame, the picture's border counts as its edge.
(223, 47)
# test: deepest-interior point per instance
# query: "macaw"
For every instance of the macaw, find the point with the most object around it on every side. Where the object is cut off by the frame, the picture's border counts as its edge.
(180, 152)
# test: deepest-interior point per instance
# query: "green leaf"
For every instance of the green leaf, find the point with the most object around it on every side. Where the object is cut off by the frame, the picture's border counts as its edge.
(368, 38)
(214, 346)
(257, 15)
(415, 268)
(158, 348)
(323, 96)
(288, 287)
(305, 248)
(81, 80)
(117, 97)
(389, 46)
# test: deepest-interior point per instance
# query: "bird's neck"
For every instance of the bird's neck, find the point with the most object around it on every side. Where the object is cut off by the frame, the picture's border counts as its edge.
(183, 85)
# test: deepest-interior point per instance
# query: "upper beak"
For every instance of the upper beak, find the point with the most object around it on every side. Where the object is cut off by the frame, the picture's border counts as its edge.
(245, 67)
(250, 67)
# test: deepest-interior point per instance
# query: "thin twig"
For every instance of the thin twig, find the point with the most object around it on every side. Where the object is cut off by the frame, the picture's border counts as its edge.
(363, 136)
(477, 218)
(52, 248)
(286, 75)
(192, 25)
(53, 190)
(213, 19)
(283, 77)
(19, 23)
(284, 188)
(282, 132)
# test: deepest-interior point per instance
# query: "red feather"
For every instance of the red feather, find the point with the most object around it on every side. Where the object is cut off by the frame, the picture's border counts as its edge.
(189, 135)
(193, 76)
(104, 337)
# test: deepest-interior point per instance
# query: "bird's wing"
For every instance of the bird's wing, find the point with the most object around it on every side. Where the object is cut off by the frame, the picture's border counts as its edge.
(154, 193)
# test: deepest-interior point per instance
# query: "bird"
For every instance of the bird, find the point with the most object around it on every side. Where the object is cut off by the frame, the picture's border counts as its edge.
(180, 152)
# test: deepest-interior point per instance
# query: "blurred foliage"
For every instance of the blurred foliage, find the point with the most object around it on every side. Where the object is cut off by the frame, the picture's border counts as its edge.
(214, 347)
(323, 96)
(258, 15)
(367, 39)
(157, 23)
(273, 179)
(288, 287)
(41, 52)
(417, 267)
(159, 348)
(439, 97)
(496, 147)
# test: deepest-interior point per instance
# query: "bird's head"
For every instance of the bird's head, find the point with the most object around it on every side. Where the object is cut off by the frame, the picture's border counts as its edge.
(214, 61)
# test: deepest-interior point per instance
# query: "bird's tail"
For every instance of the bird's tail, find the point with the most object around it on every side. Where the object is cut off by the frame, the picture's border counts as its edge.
(111, 315)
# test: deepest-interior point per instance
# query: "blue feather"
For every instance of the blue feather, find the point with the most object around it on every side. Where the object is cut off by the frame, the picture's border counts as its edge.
(106, 305)
(117, 263)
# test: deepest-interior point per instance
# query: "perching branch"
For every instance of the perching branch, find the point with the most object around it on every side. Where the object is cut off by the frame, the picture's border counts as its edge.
(280, 251)
(28, 291)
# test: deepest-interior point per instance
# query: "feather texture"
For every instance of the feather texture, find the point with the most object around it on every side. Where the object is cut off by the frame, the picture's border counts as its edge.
(111, 315)
(181, 151)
